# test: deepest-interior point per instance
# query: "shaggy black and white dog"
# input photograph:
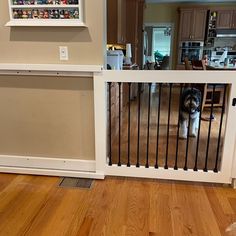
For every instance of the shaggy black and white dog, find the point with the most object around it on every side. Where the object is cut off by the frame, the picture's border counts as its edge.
(190, 108)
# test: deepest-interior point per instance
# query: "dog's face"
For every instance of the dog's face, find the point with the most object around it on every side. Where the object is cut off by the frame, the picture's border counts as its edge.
(191, 100)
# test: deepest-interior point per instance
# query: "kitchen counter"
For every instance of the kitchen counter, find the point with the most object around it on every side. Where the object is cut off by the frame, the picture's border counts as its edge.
(214, 66)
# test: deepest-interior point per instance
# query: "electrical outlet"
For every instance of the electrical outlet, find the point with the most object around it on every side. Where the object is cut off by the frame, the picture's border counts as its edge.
(63, 50)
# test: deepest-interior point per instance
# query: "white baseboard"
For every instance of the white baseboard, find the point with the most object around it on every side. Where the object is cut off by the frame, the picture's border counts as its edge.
(47, 163)
(49, 166)
(51, 172)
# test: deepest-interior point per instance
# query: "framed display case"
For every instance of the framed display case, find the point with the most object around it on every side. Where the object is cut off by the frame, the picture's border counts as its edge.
(46, 13)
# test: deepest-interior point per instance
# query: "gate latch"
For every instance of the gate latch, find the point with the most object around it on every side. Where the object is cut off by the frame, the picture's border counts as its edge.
(234, 102)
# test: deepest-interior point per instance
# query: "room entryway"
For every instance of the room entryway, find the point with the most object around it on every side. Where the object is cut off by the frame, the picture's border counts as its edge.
(158, 43)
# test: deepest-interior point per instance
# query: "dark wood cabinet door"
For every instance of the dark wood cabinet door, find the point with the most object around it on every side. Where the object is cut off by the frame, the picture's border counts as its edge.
(233, 25)
(116, 21)
(199, 24)
(121, 28)
(134, 29)
(112, 17)
(185, 24)
(224, 19)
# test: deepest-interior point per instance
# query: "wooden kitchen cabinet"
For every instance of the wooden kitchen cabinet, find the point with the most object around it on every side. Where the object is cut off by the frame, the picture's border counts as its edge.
(224, 19)
(233, 25)
(192, 24)
(125, 25)
(134, 29)
(185, 24)
(116, 21)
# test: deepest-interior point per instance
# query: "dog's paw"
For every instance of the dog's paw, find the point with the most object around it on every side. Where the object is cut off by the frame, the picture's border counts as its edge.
(193, 134)
(183, 136)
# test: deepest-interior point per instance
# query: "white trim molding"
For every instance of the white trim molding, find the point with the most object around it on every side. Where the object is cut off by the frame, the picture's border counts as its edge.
(49, 166)
(59, 70)
(50, 172)
(47, 163)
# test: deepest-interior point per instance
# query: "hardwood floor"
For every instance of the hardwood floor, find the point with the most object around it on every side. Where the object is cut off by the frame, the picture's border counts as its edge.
(34, 205)
(182, 143)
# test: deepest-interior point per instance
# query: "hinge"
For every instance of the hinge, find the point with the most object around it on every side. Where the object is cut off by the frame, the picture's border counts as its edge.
(234, 102)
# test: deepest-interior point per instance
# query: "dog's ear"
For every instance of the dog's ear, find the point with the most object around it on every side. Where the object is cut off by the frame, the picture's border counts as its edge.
(198, 94)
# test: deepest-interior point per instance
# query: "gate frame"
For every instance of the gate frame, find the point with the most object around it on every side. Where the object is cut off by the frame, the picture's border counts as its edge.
(100, 108)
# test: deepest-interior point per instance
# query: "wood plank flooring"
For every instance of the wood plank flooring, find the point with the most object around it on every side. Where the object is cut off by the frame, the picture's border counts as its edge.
(35, 205)
(182, 143)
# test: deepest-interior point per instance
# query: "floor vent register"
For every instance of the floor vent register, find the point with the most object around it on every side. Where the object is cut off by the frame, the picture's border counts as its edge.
(69, 182)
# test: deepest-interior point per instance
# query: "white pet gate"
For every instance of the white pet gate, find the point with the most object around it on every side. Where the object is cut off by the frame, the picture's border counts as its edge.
(137, 135)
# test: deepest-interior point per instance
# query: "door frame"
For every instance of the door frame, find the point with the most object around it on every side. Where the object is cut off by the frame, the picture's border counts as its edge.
(165, 24)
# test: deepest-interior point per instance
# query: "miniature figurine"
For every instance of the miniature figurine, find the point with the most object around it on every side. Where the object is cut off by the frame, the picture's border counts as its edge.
(76, 14)
(49, 2)
(41, 14)
(20, 13)
(51, 14)
(57, 2)
(15, 14)
(29, 14)
(71, 14)
(66, 14)
(24, 14)
(62, 14)
(35, 14)
(56, 14)
(45, 15)
(63, 1)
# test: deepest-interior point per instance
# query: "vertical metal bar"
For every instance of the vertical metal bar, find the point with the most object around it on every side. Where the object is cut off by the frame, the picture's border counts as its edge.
(119, 161)
(198, 134)
(139, 107)
(128, 164)
(148, 126)
(158, 126)
(189, 124)
(220, 130)
(168, 128)
(110, 150)
(209, 129)
(177, 141)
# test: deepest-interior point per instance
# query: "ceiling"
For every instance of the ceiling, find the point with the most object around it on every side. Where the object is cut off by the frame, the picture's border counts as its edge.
(198, 1)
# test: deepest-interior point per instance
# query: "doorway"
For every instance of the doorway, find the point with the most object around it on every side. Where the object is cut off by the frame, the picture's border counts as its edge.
(158, 43)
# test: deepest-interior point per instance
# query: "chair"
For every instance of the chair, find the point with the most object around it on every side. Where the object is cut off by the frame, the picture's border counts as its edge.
(208, 89)
(165, 63)
(187, 65)
(198, 65)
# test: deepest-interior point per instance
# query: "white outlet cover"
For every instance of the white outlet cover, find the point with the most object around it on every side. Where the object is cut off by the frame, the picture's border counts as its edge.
(63, 50)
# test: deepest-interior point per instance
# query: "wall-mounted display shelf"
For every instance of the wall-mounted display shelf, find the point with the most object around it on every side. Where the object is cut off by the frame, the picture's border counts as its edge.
(46, 13)
(211, 29)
